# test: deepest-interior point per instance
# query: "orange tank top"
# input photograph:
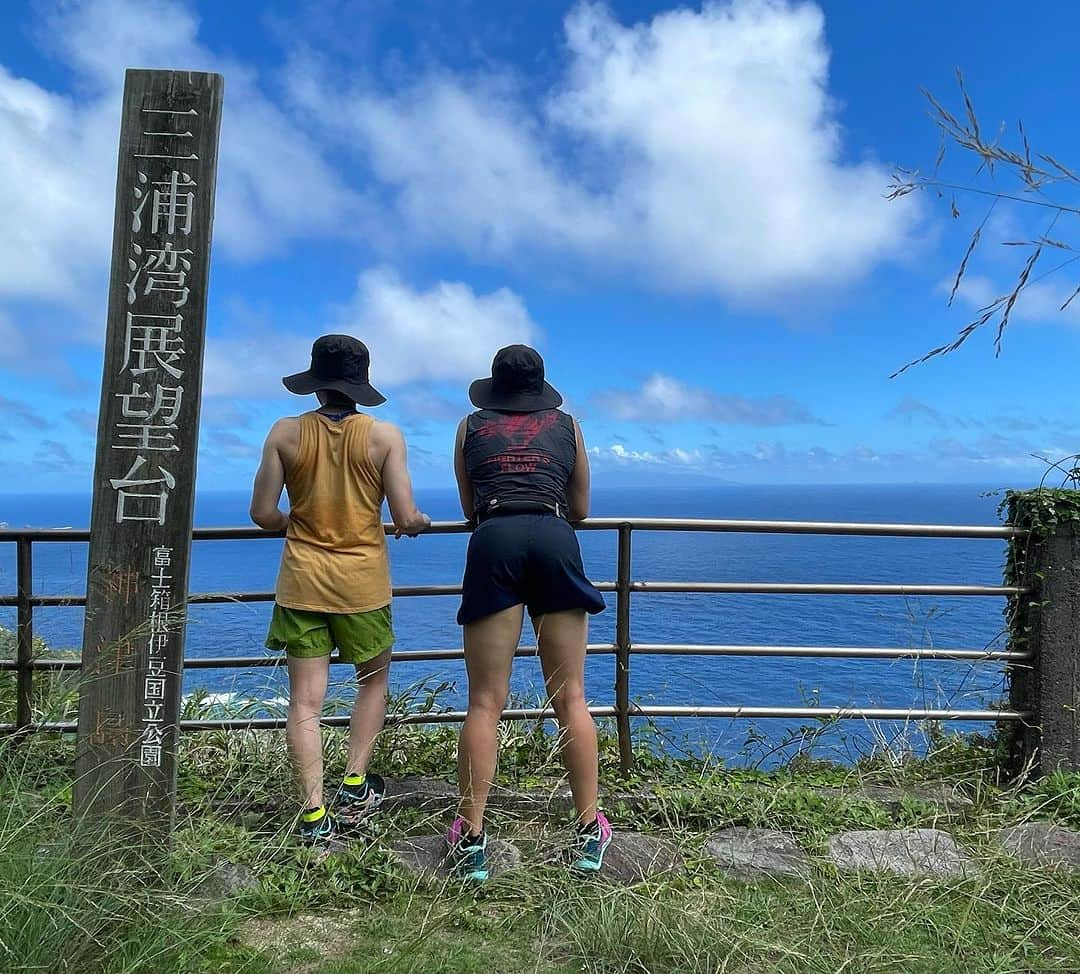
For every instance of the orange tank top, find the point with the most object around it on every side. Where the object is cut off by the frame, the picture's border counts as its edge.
(335, 557)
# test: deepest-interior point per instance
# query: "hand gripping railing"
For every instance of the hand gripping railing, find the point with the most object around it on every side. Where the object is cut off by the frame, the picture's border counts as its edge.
(24, 665)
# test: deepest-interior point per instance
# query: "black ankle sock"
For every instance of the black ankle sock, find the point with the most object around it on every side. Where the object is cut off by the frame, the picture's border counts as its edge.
(587, 826)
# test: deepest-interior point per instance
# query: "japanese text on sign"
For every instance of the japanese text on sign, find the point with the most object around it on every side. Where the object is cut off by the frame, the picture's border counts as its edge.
(155, 681)
(163, 216)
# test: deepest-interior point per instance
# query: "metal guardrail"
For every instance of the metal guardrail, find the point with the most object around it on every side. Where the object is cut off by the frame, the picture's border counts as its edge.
(25, 601)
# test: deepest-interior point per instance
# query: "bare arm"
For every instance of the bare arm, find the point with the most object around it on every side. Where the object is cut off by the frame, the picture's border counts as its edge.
(578, 490)
(464, 483)
(269, 483)
(397, 484)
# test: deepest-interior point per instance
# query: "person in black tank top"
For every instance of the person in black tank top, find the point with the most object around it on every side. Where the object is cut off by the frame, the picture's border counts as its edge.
(523, 477)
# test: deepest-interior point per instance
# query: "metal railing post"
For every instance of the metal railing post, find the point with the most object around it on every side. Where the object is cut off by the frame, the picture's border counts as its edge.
(622, 653)
(24, 651)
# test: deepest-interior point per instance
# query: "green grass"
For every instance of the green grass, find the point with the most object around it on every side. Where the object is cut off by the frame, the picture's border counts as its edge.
(87, 907)
(81, 910)
(1005, 920)
(85, 903)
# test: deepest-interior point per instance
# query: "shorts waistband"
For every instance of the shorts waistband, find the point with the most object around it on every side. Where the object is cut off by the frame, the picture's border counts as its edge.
(521, 507)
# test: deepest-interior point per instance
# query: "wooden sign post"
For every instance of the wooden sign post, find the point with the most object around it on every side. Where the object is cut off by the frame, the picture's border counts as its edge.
(148, 426)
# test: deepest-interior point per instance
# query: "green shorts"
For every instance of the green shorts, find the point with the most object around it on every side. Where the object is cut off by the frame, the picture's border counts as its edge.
(358, 636)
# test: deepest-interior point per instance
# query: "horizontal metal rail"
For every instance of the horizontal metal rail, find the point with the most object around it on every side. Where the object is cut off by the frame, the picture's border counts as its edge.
(240, 598)
(868, 529)
(858, 528)
(692, 588)
(832, 652)
(432, 717)
(812, 713)
(538, 713)
(339, 720)
(243, 662)
(816, 588)
(604, 649)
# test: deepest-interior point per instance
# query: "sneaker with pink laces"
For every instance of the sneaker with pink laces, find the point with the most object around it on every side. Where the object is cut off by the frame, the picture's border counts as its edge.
(468, 853)
(590, 843)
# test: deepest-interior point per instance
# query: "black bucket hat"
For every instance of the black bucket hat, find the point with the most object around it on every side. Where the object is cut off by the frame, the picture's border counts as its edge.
(339, 363)
(517, 383)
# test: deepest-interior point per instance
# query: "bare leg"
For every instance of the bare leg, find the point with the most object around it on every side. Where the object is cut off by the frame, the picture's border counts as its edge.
(489, 654)
(307, 691)
(369, 711)
(562, 637)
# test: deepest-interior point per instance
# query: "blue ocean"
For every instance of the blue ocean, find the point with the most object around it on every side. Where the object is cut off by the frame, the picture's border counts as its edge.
(428, 622)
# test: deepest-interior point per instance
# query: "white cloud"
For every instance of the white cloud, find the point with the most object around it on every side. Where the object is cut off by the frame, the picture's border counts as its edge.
(57, 223)
(445, 333)
(994, 451)
(274, 184)
(469, 165)
(58, 154)
(619, 454)
(662, 399)
(700, 148)
(1040, 301)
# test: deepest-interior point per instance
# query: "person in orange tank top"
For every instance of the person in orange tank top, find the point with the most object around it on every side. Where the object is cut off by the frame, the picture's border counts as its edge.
(333, 589)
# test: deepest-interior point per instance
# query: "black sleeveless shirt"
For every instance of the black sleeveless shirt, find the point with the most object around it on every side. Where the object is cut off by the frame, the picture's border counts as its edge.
(522, 457)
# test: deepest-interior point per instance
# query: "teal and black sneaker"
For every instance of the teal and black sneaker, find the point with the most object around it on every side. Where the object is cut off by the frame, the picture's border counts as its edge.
(358, 797)
(317, 826)
(590, 844)
(468, 854)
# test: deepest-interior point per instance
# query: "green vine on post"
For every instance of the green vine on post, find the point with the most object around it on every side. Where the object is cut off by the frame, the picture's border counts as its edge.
(1039, 513)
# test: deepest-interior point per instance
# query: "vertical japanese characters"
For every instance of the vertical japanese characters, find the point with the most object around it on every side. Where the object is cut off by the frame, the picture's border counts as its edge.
(144, 475)
(154, 343)
(162, 218)
(155, 682)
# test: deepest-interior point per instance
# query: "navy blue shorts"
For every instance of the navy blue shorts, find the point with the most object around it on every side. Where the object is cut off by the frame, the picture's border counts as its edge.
(525, 558)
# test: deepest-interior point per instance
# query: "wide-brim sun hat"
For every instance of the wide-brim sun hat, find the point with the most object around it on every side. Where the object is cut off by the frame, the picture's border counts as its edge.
(516, 383)
(339, 363)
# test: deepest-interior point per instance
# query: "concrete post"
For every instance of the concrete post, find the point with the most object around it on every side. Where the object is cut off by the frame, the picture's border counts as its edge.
(1047, 622)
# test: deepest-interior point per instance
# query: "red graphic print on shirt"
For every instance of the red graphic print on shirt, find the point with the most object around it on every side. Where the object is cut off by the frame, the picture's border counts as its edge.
(515, 433)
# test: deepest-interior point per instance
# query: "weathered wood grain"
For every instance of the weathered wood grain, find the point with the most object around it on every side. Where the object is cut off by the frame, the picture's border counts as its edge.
(144, 477)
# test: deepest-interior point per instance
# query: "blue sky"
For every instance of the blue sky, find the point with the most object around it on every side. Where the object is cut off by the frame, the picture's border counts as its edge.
(681, 206)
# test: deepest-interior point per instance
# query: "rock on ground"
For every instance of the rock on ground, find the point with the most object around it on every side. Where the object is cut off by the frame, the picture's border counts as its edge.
(429, 794)
(225, 879)
(1042, 844)
(427, 855)
(633, 857)
(751, 854)
(902, 852)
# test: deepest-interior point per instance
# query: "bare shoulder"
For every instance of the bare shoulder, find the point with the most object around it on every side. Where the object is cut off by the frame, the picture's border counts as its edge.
(385, 434)
(285, 432)
(384, 439)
